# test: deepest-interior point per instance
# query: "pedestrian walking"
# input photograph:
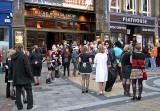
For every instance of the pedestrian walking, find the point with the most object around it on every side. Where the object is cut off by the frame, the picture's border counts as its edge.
(137, 59)
(85, 68)
(22, 76)
(101, 69)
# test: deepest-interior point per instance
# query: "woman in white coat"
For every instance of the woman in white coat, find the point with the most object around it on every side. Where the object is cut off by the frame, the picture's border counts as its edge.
(101, 69)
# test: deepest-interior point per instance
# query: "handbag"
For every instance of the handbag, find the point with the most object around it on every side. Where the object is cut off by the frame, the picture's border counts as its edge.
(144, 73)
(144, 76)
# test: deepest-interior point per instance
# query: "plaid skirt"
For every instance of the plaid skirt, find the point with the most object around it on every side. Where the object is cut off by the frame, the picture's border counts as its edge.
(136, 74)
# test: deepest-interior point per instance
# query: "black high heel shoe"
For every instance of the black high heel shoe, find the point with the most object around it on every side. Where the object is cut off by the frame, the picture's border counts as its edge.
(87, 91)
(134, 98)
(82, 91)
(139, 98)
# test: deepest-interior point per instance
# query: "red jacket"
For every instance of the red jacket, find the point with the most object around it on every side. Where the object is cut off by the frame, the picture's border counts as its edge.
(0, 57)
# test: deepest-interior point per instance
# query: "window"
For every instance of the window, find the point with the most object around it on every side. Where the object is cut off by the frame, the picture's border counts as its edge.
(115, 5)
(131, 6)
(146, 7)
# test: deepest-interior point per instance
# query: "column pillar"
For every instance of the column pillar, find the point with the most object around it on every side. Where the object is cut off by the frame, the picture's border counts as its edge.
(18, 26)
(102, 18)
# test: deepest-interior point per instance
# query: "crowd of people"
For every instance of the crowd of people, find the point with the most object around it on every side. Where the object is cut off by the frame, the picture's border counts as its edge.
(111, 60)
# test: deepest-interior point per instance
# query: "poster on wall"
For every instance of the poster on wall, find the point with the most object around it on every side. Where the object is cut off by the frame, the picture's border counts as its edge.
(18, 36)
(139, 39)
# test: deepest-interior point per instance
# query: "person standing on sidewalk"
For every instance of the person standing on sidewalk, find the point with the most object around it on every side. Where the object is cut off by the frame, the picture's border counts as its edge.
(75, 56)
(4, 57)
(126, 69)
(112, 65)
(118, 52)
(85, 68)
(22, 76)
(66, 58)
(8, 70)
(137, 59)
(101, 69)
(36, 60)
(153, 53)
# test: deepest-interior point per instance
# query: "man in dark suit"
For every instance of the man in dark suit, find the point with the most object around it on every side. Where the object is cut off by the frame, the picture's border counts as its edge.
(22, 76)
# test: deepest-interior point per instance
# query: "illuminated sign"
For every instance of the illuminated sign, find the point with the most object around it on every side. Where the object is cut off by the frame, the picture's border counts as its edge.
(77, 4)
(80, 4)
(134, 20)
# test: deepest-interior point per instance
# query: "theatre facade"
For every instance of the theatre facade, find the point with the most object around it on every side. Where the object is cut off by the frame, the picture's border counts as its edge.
(53, 22)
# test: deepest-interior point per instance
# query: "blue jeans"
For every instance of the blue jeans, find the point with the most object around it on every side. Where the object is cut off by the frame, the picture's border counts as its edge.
(146, 62)
(153, 64)
(75, 66)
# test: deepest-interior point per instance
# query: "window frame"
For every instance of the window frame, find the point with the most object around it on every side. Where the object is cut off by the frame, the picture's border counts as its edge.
(117, 7)
(134, 7)
(148, 12)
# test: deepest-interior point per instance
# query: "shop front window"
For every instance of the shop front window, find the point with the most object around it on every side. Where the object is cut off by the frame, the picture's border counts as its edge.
(82, 26)
(64, 25)
(131, 6)
(45, 24)
(146, 7)
(1, 34)
(30, 23)
(4, 37)
(115, 5)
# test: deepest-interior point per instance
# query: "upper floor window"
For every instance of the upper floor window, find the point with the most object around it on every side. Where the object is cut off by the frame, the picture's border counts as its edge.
(131, 6)
(115, 5)
(146, 7)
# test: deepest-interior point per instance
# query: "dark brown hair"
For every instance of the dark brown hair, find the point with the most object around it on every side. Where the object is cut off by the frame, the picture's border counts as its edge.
(19, 47)
(66, 53)
(138, 47)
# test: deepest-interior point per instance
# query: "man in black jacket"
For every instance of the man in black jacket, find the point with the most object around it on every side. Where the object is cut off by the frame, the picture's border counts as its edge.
(22, 76)
(112, 65)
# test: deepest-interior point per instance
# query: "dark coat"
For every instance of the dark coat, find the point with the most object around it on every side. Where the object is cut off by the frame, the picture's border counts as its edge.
(36, 57)
(21, 69)
(111, 58)
(66, 63)
(8, 71)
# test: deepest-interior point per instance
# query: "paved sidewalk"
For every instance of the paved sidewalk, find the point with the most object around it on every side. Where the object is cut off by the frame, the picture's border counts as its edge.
(145, 105)
(65, 95)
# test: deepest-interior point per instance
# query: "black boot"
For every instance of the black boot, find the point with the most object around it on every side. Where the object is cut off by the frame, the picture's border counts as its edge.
(124, 88)
(128, 89)
(56, 74)
(46, 81)
(140, 92)
(134, 93)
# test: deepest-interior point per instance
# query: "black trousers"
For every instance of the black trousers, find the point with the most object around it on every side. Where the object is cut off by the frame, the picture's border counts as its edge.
(112, 75)
(8, 90)
(28, 89)
(66, 67)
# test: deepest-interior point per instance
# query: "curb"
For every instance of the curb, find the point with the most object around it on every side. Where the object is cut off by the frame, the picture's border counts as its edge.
(8, 105)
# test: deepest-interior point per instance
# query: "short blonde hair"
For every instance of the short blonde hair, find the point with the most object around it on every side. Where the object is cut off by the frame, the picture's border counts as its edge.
(11, 52)
(127, 48)
(101, 49)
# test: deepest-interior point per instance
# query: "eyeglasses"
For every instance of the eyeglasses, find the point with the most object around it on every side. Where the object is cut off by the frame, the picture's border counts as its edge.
(107, 44)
